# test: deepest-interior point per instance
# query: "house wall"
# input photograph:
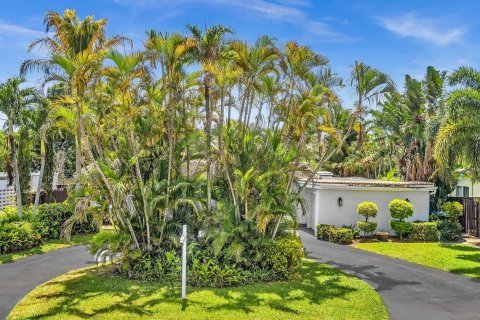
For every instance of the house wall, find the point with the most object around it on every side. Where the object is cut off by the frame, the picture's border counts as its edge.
(474, 188)
(329, 212)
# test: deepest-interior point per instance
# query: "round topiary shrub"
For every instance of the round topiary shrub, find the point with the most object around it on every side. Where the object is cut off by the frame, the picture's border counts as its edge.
(367, 210)
(401, 227)
(367, 227)
(400, 209)
(453, 209)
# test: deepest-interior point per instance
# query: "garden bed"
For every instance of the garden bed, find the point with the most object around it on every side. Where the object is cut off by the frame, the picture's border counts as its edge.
(323, 293)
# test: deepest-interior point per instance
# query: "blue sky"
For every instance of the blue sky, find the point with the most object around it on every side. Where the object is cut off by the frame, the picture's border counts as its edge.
(398, 37)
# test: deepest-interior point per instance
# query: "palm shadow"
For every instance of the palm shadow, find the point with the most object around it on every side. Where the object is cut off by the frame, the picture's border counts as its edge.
(319, 283)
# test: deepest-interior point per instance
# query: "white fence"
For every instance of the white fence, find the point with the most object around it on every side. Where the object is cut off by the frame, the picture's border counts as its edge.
(7, 197)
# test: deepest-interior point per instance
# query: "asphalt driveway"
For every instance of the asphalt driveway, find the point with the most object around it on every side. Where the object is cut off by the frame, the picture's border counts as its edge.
(19, 277)
(410, 291)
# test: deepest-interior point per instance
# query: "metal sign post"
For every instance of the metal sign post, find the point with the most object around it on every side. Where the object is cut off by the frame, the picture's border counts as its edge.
(183, 240)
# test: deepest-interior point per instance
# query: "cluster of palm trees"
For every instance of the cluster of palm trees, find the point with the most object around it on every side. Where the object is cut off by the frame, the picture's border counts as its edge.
(208, 129)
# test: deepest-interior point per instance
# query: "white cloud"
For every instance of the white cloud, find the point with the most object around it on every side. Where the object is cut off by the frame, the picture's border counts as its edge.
(291, 11)
(7, 29)
(410, 25)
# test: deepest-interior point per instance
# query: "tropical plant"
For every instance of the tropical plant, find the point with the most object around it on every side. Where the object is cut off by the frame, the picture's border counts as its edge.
(13, 103)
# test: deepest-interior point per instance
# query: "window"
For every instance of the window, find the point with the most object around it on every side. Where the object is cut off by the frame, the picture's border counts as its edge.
(466, 191)
(459, 192)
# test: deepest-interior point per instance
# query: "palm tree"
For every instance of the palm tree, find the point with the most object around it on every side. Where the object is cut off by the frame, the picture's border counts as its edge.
(76, 50)
(125, 77)
(13, 102)
(458, 137)
(370, 86)
(207, 50)
(254, 63)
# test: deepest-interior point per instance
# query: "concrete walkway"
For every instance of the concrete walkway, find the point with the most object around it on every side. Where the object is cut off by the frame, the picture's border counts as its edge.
(410, 291)
(19, 277)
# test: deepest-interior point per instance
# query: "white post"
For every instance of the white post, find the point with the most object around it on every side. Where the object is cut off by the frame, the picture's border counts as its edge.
(183, 240)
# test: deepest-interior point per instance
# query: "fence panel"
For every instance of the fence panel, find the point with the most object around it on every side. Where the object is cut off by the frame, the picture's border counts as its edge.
(7, 197)
(471, 215)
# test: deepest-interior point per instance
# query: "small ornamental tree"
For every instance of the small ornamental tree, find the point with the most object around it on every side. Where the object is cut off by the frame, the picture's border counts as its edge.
(367, 210)
(400, 210)
(450, 229)
(453, 210)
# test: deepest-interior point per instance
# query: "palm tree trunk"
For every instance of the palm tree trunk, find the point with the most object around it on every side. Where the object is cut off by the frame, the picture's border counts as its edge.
(140, 183)
(40, 176)
(208, 123)
(18, 192)
(78, 153)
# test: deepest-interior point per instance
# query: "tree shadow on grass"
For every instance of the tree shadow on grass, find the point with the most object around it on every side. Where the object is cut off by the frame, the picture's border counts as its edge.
(319, 283)
(466, 253)
(69, 296)
(86, 285)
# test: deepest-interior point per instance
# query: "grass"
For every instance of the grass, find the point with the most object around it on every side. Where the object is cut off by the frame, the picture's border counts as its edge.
(322, 293)
(45, 247)
(456, 258)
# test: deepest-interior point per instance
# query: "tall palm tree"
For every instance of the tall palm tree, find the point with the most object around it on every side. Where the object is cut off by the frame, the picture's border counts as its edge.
(13, 102)
(370, 86)
(458, 137)
(76, 49)
(207, 49)
(125, 77)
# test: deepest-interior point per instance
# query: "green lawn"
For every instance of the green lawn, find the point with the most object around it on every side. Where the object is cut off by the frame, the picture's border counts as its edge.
(457, 258)
(323, 293)
(45, 247)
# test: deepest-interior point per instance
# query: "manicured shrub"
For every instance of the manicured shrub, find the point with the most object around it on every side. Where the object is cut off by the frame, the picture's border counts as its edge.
(400, 210)
(367, 210)
(340, 235)
(367, 228)
(453, 209)
(322, 231)
(285, 257)
(51, 218)
(401, 227)
(424, 231)
(354, 228)
(449, 230)
(17, 236)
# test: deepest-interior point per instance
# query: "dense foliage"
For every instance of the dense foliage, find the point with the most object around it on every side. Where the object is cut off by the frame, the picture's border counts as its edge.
(52, 219)
(340, 235)
(453, 210)
(449, 230)
(424, 231)
(208, 130)
(17, 234)
(322, 231)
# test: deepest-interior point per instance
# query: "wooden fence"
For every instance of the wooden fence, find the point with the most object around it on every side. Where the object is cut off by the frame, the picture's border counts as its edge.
(471, 215)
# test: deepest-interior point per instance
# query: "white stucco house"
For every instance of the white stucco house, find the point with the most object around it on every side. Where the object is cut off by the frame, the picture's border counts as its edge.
(333, 200)
(466, 187)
